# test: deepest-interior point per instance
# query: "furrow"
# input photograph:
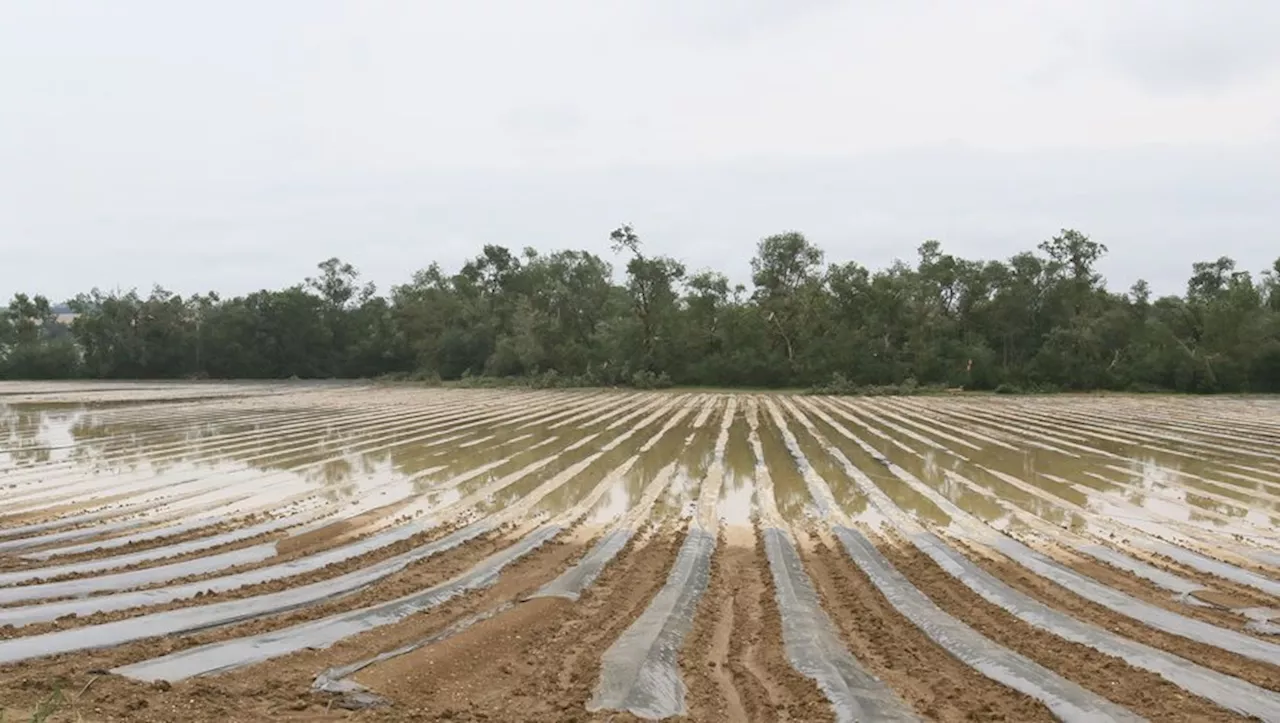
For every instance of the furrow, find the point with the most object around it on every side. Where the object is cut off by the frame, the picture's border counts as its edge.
(1090, 589)
(1231, 693)
(419, 439)
(324, 632)
(811, 640)
(640, 671)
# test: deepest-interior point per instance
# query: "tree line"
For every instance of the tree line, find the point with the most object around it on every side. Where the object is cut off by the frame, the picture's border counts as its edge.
(1040, 320)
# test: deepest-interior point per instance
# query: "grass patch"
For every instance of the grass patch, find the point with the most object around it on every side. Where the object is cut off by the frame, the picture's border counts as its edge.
(49, 706)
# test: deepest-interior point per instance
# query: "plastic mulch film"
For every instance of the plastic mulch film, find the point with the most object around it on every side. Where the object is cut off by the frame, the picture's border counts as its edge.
(640, 672)
(322, 633)
(814, 647)
(1068, 701)
(1227, 691)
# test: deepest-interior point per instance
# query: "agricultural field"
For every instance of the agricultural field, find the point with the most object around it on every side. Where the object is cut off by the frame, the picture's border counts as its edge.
(227, 552)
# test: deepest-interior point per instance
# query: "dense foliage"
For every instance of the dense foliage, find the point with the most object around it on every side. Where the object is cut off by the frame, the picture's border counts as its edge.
(1040, 320)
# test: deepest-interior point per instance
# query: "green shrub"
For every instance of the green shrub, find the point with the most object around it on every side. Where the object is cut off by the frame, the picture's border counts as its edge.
(841, 386)
(420, 376)
(645, 379)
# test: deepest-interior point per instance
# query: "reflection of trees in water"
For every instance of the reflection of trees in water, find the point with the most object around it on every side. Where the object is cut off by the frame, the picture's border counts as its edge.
(410, 459)
(451, 460)
(650, 462)
(586, 480)
(89, 427)
(327, 458)
(788, 487)
(844, 490)
(332, 476)
(23, 427)
(903, 496)
(331, 473)
(160, 442)
(695, 459)
(738, 458)
(517, 491)
(166, 443)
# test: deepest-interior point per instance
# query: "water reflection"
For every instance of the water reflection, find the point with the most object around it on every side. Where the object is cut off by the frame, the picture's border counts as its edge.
(29, 435)
(1060, 463)
(737, 492)
(340, 454)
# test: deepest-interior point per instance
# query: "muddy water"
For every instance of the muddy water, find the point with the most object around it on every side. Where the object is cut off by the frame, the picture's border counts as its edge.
(1158, 461)
(738, 488)
(334, 455)
(1092, 470)
(101, 485)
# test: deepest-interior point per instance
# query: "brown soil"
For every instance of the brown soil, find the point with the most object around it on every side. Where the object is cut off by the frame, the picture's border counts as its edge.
(324, 573)
(216, 529)
(1227, 600)
(50, 514)
(496, 658)
(734, 662)
(89, 501)
(336, 532)
(279, 689)
(940, 687)
(1055, 595)
(1220, 614)
(1145, 693)
(417, 577)
(1243, 563)
(537, 662)
(1226, 593)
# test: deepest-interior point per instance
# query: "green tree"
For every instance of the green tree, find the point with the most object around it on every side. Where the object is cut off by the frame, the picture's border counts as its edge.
(1039, 318)
(653, 285)
(789, 294)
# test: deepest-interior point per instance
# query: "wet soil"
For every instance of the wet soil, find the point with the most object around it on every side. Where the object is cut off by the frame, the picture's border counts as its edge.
(1222, 602)
(734, 661)
(402, 579)
(540, 660)
(1050, 593)
(537, 662)
(337, 532)
(1222, 592)
(416, 577)
(276, 690)
(16, 564)
(50, 514)
(1142, 692)
(925, 676)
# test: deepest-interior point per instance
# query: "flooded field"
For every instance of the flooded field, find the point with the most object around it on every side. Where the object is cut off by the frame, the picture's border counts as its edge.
(226, 552)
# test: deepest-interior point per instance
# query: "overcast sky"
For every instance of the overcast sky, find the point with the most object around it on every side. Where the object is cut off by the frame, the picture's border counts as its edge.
(231, 145)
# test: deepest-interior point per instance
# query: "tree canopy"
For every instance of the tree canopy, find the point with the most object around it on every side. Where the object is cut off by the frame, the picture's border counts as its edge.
(1041, 319)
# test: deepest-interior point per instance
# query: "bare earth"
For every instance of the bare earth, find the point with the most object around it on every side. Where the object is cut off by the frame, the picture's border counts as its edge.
(225, 552)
